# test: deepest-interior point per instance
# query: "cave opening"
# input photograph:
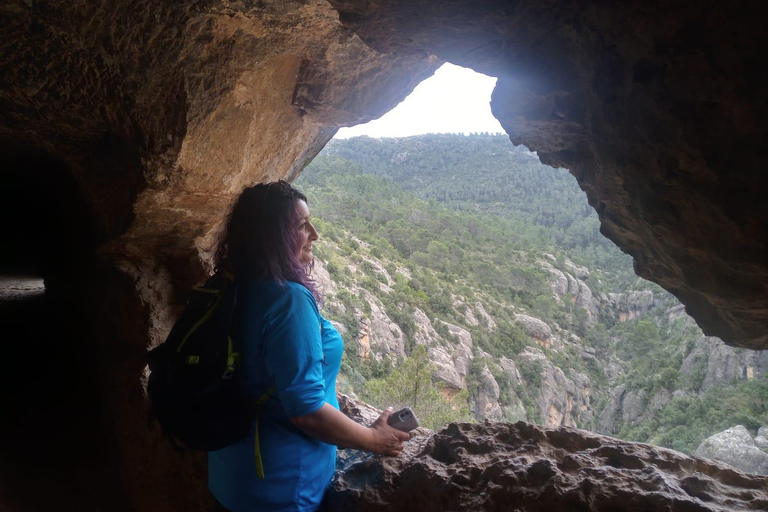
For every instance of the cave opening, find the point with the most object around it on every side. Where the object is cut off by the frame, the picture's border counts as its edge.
(52, 419)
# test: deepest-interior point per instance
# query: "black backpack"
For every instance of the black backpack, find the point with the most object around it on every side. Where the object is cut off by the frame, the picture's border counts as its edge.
(194, 385)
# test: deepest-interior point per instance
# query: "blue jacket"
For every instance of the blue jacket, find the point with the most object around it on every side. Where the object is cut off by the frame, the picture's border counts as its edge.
(285, 340)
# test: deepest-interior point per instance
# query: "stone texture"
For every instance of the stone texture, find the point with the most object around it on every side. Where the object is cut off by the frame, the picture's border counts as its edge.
(561, 400)
(761, 440)
(723, 364)
(629, 407)
(565, 284)
(609, 420)
(386, 339)
(159, 113)
(484, 316)
(628, 306)
(736, 447)
(500, 466)
(486, 401)
(536, 329)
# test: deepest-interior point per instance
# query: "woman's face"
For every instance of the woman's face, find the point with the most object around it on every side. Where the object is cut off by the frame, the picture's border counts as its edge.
(307, 232)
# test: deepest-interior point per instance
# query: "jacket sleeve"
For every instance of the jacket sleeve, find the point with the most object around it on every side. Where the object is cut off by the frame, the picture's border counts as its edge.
(293, 351)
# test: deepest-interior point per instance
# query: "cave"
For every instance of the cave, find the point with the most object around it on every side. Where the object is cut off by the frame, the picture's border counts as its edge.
(52, 401)
(135, 124)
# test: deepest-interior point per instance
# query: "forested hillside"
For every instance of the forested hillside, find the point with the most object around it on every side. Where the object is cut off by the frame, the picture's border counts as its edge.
(470, 281)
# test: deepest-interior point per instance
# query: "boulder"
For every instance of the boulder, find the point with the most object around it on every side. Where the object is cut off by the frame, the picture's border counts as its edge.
(488, 467)
(737, 448)
(761, 440)
(536, 329)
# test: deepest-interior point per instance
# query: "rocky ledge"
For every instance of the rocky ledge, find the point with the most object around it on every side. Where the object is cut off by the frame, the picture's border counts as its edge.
(502, 466)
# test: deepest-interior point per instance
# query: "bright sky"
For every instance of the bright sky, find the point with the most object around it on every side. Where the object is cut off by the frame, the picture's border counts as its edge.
(453, 100)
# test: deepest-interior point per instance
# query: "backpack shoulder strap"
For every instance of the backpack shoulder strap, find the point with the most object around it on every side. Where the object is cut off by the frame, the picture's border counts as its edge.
(269, 393)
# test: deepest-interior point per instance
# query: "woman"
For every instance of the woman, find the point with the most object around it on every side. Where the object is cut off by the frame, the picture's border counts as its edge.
(286, 343)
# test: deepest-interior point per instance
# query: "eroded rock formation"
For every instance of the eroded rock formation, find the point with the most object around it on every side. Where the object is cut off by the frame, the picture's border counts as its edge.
(503, 466)
(737, 448)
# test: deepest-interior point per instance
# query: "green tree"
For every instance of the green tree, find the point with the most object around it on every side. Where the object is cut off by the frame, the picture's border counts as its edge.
(411, 385)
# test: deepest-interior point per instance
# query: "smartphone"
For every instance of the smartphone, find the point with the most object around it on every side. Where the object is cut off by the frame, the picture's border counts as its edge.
(404, 420)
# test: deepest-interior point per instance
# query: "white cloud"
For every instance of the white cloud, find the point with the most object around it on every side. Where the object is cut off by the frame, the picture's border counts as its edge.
(453, 100)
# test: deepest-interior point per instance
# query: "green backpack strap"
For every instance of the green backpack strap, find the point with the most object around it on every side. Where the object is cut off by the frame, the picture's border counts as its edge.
(269, 393)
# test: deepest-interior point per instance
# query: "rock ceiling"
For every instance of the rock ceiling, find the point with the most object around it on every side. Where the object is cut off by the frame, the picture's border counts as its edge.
(162, 111)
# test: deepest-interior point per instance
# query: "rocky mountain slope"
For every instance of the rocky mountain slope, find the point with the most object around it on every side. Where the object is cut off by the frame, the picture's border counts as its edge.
(526, 313)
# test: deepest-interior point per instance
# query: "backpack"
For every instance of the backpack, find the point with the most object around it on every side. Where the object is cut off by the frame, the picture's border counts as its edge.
(194, 385)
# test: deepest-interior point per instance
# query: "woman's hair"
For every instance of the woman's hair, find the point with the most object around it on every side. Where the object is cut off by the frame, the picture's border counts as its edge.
(261, 238)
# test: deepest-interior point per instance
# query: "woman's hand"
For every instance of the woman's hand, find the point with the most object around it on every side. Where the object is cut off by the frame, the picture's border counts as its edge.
(330, 425)
(385, 439)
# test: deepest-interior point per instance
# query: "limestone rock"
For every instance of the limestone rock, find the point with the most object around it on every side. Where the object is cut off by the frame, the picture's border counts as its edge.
(628, 306)
(481, 467)
(724, 364)
(659, 399)
(655, 110)
(486, 402)
(511, 371)
(609, 420)
(386, 339)
(364, 340)
(425, 333)
(561, 400)
(484, 316)
(629, 407)
(565, 285)
(447, 371)
(451, 359)
(577, 271)
(462, 351)
(736, 447)
(535, 328)
(323, 278)
(461, 307)
(633, 406)
(761, 440)
(513, 409)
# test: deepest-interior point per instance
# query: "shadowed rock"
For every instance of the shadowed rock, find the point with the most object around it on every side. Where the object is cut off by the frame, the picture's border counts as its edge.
(502, 466)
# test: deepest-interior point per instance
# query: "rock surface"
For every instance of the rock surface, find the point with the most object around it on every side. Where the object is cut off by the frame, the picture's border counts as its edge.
(628, 306)
(561, 400)
(736, 447)
(723, 364)
(565, 284)
(501, 466)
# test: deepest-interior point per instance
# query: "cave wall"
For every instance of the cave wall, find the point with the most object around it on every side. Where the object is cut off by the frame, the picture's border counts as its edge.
(160, 113)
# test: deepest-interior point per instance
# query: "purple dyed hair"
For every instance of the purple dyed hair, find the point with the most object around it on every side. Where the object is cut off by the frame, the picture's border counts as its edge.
(261, 239)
